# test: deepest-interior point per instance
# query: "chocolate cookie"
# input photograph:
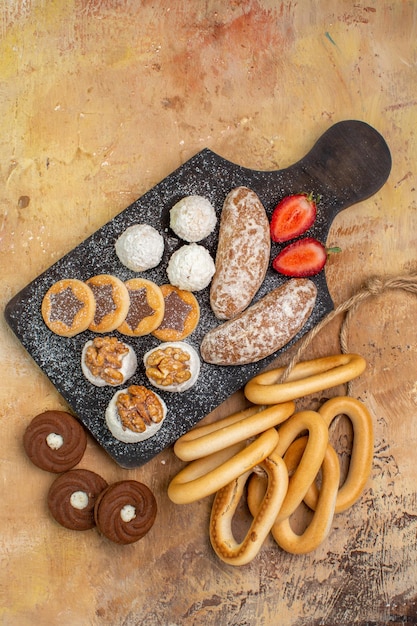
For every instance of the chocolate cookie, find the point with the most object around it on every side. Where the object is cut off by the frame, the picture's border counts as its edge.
(72, 497)
(125, 511)
(55, 441)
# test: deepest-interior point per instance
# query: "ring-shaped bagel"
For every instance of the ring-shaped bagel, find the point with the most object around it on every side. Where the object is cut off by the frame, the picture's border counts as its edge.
(361, 455)
(306, 471)
(210, 438)
(205, 476)
(306, 378)
(224, 507)
(320, 524)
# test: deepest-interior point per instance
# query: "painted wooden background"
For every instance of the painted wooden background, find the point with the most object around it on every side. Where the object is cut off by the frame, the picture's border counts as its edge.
(101, 99)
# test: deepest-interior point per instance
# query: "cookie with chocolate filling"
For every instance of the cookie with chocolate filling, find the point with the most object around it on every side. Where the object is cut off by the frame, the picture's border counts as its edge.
(182, 314)
(146, 309)
(68, 307)
(112, 302)
(72, 496)
(125, 511)
(55, 441)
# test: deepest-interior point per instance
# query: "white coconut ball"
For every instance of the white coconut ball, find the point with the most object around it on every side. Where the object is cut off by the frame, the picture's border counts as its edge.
(193, 218)
(191, 268)
(140, 247)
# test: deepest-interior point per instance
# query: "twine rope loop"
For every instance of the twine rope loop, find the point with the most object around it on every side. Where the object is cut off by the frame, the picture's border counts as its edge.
(373, 286)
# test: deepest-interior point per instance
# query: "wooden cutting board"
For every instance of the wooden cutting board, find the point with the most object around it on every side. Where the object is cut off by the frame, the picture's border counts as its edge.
(349, 163)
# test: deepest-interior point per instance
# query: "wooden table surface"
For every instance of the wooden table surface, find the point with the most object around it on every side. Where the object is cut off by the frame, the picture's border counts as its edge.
(102, 99)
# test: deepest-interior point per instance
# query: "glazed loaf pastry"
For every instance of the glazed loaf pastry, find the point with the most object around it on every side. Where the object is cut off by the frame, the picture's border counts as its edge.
(242, 255)
(263, 328)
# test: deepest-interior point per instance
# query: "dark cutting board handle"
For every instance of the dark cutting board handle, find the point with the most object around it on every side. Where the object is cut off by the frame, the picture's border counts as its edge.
(349, 163)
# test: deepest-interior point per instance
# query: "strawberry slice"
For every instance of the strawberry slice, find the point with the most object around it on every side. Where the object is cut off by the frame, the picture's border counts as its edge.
(305, 257)
(292, 216)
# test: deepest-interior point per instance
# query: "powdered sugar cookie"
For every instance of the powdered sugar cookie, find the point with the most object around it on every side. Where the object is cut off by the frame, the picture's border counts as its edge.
(193, 218)
(140, 247)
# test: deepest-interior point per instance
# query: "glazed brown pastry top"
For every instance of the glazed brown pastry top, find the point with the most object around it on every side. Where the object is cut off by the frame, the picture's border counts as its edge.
(72, 497)
(55, 441)
(125, 511)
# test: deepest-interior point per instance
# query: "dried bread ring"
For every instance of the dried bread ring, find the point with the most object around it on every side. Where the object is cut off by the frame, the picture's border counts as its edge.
(112, 302)
(306, 378)
(320, 524)
(312, 459)
(205, 476)
(362, 451)
(239, 426)
(68, 307)
(146, 309)
(224, 507)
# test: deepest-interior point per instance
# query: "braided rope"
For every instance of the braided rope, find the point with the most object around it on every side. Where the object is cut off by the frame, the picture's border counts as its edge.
(373, 286)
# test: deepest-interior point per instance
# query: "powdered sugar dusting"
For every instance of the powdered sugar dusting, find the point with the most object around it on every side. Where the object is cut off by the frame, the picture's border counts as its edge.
(207, 175)
(264, 328)
(241, 260)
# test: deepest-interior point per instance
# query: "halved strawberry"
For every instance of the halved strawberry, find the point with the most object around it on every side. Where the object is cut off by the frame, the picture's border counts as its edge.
(305, 257)
(292, 216)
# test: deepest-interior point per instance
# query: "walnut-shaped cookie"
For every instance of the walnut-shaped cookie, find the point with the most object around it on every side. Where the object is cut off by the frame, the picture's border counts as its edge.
(135, 414)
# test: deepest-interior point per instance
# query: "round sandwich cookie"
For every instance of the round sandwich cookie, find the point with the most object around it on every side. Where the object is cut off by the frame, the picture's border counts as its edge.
(72, 496)
(68, 307)
(172, 366)
(55, 441)
(112, 302)
(108, 361)
(181, 315)
(146, 309)
(135, 414)
(125, 511)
